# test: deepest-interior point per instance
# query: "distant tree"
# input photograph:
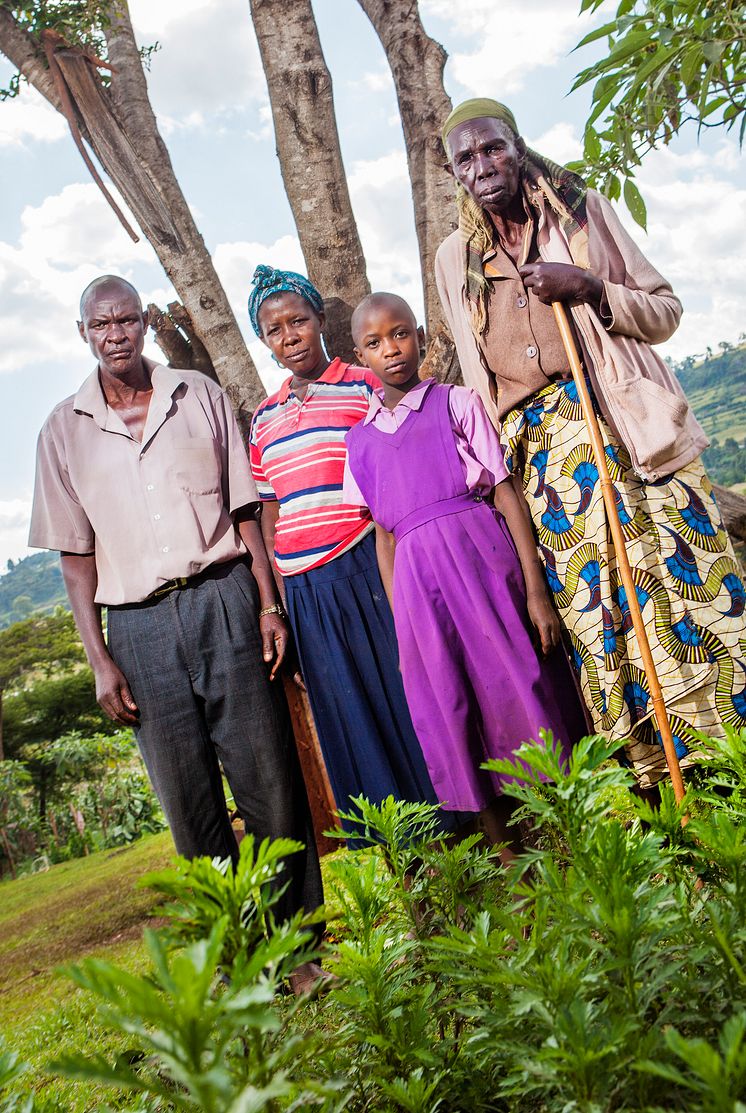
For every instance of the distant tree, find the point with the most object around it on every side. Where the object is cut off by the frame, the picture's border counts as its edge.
(43, 645)
(50, 707)
(669, 63)
(70, 759)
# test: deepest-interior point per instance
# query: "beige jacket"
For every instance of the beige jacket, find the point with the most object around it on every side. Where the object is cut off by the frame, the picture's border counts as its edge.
(639, 396)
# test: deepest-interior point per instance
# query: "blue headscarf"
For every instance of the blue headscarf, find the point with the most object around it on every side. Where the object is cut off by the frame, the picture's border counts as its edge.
(268, 281)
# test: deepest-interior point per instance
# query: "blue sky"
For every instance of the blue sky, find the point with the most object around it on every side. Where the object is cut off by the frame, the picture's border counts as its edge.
(208, 90)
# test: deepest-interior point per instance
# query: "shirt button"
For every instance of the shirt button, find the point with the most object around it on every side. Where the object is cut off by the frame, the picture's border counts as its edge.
(150, 487)
(521, 302)
(156, 517)
(531, 351)
(165, 548)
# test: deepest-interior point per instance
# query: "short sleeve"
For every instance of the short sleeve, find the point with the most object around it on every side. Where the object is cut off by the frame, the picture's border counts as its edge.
(239, 488)
(263, 485)
(351, 493)
(476, 437)
(58, 521)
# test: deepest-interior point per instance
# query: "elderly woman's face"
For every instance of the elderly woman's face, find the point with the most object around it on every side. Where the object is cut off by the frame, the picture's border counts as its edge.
(291, 329)
(486, 158)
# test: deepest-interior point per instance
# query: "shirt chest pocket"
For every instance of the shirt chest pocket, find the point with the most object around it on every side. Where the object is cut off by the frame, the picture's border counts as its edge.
(196, 467)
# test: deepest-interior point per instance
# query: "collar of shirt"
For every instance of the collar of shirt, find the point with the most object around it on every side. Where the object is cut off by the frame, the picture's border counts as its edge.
(412, 400)
(90, 400)
(497, 263)
(334, 372)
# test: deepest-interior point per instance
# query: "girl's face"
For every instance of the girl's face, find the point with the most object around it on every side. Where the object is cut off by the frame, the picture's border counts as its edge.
(389, 342)
(291, 329)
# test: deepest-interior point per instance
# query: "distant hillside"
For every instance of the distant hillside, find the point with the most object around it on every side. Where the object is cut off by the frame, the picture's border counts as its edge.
(716, 388)
(32, 584)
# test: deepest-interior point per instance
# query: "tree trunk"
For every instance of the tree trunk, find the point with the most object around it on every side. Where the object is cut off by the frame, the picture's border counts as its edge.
(300, 92)
(2, 744)
(417, 63)
(177, 338)
(121, 128)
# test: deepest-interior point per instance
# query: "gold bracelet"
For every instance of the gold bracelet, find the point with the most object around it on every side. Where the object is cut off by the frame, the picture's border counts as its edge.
(276, 608)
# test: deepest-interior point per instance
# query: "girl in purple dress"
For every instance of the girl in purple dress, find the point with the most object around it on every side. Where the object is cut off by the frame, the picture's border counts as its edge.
(479, 639)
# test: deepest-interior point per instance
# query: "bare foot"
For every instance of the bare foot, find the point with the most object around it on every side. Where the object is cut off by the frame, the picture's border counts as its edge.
(309, 980)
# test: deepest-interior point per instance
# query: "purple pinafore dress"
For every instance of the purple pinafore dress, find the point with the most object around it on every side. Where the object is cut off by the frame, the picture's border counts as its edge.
(475, 684)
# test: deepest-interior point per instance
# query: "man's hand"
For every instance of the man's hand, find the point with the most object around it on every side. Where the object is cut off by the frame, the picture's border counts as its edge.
(114, 695)
(275, 638)
(545, 621)
(562, 282)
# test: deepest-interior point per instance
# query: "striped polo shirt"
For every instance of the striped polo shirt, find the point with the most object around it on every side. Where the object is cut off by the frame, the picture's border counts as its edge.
(297, 451)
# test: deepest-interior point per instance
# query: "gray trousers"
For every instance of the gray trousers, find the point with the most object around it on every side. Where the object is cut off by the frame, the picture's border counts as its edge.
(193, 659)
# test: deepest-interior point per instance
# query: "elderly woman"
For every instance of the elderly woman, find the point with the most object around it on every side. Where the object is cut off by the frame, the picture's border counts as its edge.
(324, 551)
(530, 233)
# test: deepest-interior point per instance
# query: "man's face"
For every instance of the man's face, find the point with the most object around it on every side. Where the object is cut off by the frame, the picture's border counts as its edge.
(486, 158)
(114, 328)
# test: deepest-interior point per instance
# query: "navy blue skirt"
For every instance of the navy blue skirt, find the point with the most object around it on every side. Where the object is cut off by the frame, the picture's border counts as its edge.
(348, 653)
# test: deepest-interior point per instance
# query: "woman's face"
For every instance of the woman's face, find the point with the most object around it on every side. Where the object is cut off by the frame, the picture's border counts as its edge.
(487, 158)
(291, 329)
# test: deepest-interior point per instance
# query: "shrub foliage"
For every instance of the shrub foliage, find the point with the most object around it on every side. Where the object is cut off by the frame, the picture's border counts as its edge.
(606, 971)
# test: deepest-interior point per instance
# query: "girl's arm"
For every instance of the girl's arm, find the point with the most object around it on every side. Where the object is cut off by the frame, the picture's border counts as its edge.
(385, 546)
(509, 501)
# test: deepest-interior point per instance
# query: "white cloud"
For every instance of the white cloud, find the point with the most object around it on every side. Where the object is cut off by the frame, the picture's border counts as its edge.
(697, 239)
(561, 143)
(65, 241)
(208, 65)
(28, 117)
(376, 81)
(382, 199)
(513, 39)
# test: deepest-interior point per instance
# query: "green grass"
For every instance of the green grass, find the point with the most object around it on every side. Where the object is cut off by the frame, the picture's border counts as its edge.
(87, 907)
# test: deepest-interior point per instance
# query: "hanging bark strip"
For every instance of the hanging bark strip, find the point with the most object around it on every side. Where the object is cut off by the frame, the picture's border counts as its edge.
(138, 189)
(118, 125)
(52, 41)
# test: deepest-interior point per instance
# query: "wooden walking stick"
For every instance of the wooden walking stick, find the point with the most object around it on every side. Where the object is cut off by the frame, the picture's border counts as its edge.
(620, 548)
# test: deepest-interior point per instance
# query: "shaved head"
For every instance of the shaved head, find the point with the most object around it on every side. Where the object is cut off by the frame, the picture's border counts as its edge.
(107, 283)
(371, 303)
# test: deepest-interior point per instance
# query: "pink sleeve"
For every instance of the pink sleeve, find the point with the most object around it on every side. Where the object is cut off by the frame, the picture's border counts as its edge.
(351, 494)
(477, 442)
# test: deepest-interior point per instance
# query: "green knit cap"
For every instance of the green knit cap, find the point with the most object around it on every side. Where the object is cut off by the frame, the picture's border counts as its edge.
(478, 109)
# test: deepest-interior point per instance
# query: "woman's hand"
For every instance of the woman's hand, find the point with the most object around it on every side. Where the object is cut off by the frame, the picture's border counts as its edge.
(545, 620)
(275, 637)
(562, 282)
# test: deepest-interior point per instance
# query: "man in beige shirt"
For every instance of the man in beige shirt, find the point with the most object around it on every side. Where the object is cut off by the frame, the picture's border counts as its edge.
(144, 487)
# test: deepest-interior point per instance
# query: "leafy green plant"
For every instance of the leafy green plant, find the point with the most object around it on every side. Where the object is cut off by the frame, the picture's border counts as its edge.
(667, 64)
(604, 972)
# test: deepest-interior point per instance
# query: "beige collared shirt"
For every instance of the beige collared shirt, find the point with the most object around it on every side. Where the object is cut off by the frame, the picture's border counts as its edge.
(151, 511)
(522, 346)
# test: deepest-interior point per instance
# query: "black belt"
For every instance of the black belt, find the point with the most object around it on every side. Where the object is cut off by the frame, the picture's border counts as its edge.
(181, 582)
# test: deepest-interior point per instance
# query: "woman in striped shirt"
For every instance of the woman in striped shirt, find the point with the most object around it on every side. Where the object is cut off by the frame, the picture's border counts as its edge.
(324, 551)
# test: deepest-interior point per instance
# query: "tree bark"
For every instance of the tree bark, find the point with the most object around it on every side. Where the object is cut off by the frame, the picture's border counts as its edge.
(121, 128)
(175, 335)
(417, 64)
(300, 93)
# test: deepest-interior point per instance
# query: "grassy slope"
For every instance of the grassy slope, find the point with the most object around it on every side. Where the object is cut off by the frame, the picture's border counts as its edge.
(716, 389)
(77, 909)
(89, 907)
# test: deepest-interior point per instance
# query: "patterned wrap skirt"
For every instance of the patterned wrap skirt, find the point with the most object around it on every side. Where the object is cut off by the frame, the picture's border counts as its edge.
(688, 582)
